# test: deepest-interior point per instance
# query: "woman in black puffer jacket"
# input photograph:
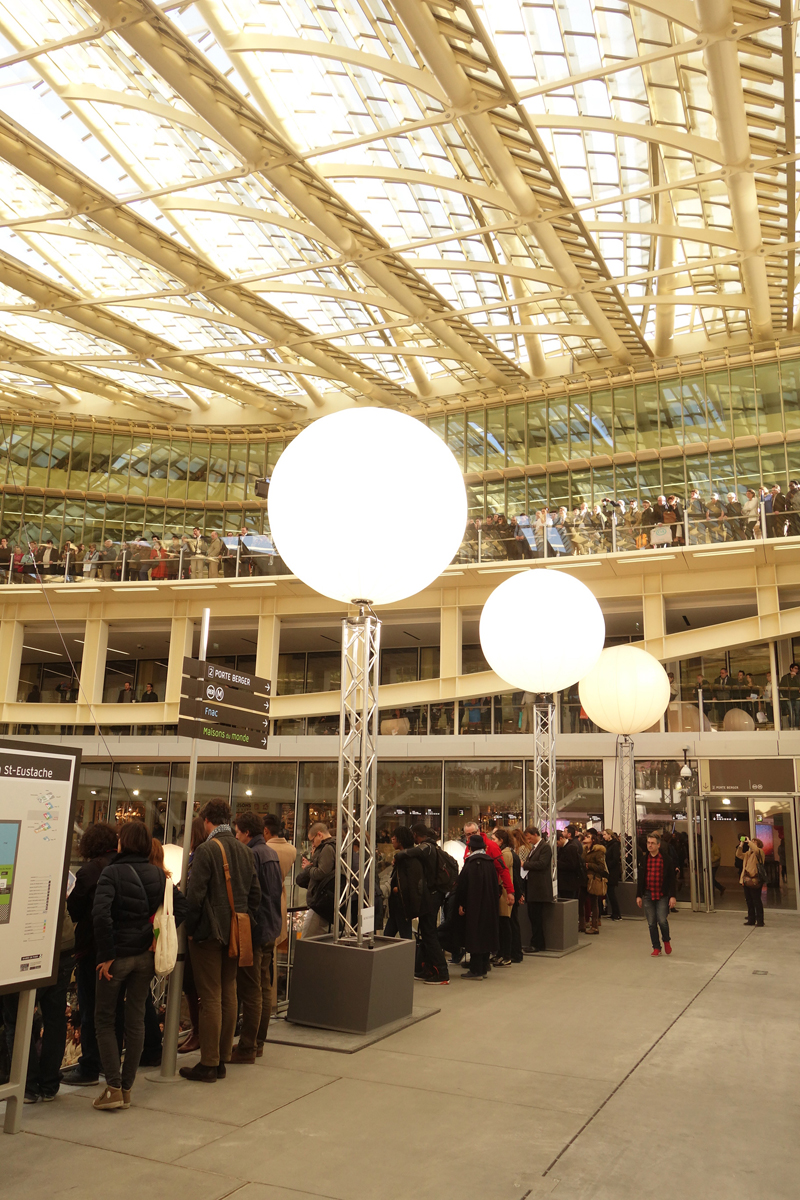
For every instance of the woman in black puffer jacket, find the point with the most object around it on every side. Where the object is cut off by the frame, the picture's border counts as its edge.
(129, 892)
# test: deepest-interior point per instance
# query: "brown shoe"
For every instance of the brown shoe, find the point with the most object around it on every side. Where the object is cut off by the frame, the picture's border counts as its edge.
(126, 1097)
(238, 1055)
(111, 1097)
(191, 1043)
(259, 1051)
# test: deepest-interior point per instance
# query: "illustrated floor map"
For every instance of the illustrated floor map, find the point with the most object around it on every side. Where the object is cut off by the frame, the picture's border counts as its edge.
(9, 843)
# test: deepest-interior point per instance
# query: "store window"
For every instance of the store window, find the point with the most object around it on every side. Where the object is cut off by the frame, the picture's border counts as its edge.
(487, 792)
(94, 788)
(139, 792)
(408, 793)
(317, 799)
(266, 787)
(213, 783)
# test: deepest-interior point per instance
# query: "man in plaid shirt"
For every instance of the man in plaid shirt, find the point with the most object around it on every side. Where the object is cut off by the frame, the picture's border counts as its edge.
(655, 892)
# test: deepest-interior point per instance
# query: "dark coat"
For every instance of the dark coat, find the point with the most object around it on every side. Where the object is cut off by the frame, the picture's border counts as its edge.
(414, 873)
(270, 879)
(478, 892)
(539, 865)
(569, 865)
(614, 862)
(318, 878)
(669, 875)
(80, 901)
(209, 908)
(129, 891)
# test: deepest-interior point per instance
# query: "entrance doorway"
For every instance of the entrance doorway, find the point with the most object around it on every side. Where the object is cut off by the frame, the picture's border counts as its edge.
(721, 823)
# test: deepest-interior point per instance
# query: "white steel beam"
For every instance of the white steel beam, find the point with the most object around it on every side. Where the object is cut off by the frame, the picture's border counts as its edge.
(241, 126)
(727, 104)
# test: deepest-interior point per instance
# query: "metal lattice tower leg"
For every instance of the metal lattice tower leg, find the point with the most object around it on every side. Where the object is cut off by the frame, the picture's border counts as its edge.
(627, 800)
(544, 777)
(356, 818)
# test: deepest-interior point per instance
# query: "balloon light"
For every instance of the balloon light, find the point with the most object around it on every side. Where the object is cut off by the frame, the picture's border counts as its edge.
(542, 630)
(173, 860)
(367, 504)
(626, 691)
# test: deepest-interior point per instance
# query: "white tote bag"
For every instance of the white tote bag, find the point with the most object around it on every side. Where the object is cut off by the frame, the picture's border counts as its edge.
(166, 934)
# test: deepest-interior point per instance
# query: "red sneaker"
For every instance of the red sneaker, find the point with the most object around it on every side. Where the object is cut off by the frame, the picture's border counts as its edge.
(668, 947)
(655, 954)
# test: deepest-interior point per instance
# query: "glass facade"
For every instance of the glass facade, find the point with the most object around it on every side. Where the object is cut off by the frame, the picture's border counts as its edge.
(140, 481)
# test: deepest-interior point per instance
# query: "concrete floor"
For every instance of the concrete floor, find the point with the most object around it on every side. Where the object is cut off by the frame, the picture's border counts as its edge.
(605, 1075)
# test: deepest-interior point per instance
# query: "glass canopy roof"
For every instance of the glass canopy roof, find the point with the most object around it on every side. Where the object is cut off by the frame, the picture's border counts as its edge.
(254, 211)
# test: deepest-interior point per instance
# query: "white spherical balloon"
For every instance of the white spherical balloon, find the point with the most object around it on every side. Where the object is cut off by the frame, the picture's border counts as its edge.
(626, 690)
(367, 504)
(542, 630)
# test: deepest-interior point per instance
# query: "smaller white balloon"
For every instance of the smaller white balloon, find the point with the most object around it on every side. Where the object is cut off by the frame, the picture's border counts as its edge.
(626, 690)
(542, 630)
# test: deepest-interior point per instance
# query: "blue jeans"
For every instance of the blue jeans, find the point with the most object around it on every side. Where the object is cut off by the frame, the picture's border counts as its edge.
(656, 912)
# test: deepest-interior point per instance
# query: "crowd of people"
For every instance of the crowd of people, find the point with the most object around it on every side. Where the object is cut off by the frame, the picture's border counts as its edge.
(617, 524)
(181, 556)
(235, 912)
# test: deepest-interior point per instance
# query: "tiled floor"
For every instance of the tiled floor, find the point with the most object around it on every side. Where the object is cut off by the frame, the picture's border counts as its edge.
(605, 1075)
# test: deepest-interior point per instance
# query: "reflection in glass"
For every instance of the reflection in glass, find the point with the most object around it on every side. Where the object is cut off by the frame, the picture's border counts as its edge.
(139, 792)
(774, 827)
(408, 793)
(213, 783)
(489, 793)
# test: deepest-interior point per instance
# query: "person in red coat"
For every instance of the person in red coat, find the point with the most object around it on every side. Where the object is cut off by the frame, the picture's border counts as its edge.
(495, 853)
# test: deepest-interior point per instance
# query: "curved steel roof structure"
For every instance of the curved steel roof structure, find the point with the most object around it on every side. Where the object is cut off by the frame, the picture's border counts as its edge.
(240, 211)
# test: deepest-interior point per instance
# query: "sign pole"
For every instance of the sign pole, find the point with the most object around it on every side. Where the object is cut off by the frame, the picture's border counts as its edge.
(14, 1090)
(172, 1019)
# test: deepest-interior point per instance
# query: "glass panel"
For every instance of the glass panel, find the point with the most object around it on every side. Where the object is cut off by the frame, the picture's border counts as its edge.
(217, 473)
(323, 671)
(119, 469)
(580, 433)
(408, 792)
(274, 451)
(119, 673)
(159, 469)
(488, 793)
(59, 458)
(673, 475)
(579, 791)
(515, 497)
(178, 470)
(100, 462)
(18, 455)
(134, 521)
(602, 423)
(40, 458)
(291, 674)
(53, 520)
(438, 425)
(748, 469)
(400, 665)
(670, 408)
(266, 788)
(774, 830)
(722, 476)
(769, 392)
(624, 419)
(429, 662)
(495, 438)
(515, 437)
(695, 426)
(94, 786)
(773, 466)
(475, 716)
(649, 480)
(6, 442)
(213, 783)
(472, 660)
(718, 404)
(237, 471)
(537, 432)
(79, 460)
(743, 402)
(476, 504)
(647, 415)
(139, 468)
(558, 425)
(509, 716)
(455, 437)
(602, 484)
(495, 496)
(317, 801)
(475, 440)
(94, 514)
(790, 383)
(139, 792)
(153, 671)
(12, 516)
(198, 471)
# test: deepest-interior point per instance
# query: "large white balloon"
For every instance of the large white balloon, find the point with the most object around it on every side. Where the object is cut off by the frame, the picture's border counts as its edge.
(626, 690)
(367, 504)
(542, 630)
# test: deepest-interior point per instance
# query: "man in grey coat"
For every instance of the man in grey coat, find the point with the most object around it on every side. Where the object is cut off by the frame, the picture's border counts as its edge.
(317, 876)
(537, 870)
(254, 983)
(209, 927)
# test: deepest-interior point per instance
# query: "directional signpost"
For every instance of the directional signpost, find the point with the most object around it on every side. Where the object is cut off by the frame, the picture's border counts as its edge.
(218, 704)
(222, 704)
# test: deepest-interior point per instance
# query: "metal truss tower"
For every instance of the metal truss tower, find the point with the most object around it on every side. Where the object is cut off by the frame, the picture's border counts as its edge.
(544, 777)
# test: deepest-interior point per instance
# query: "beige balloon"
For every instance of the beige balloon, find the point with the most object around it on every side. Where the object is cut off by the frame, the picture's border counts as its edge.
(626, 690)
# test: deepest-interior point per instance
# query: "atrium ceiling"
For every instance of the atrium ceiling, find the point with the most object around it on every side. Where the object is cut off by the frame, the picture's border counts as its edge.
(257, 211)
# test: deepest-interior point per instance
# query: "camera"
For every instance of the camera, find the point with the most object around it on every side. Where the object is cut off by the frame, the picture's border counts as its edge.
(686, 771)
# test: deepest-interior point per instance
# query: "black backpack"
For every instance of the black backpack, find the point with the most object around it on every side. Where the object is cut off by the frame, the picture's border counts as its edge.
(445, 871)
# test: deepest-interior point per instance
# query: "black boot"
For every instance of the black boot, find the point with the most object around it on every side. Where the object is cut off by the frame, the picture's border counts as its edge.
(200, 1074)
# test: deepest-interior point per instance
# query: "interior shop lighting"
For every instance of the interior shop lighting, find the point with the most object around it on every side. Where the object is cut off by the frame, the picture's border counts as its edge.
(56, 653)
(725, 800)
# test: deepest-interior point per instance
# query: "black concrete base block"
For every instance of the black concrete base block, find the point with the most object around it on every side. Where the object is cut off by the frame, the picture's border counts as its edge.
(560, 925)
(626, 897)
(354, 989)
